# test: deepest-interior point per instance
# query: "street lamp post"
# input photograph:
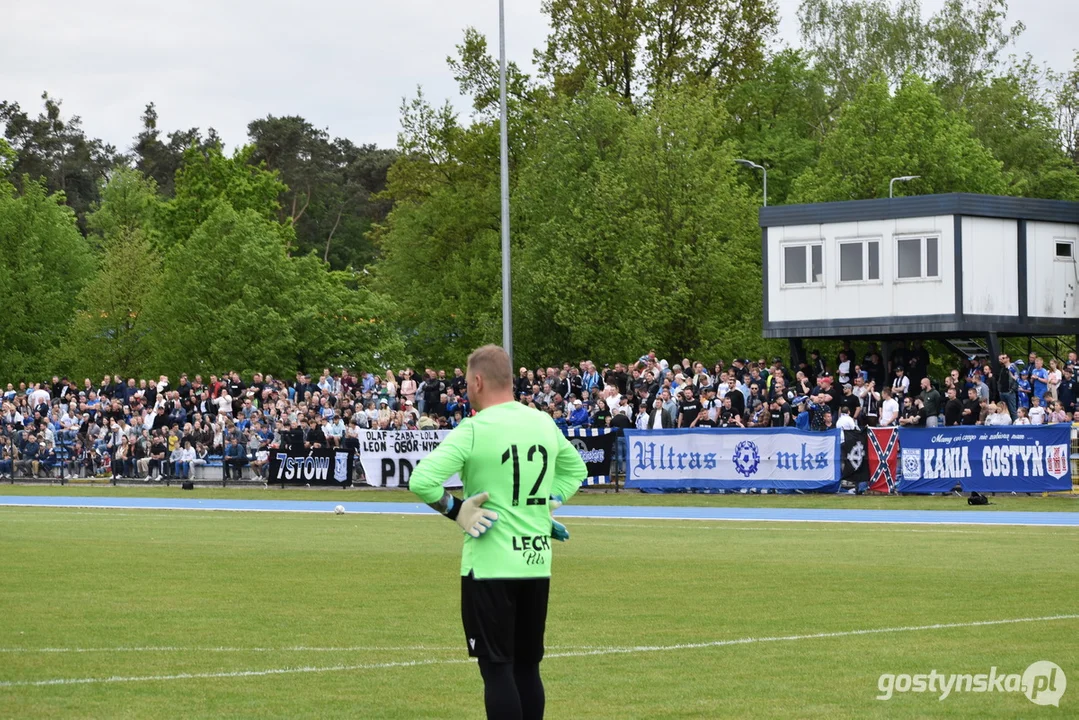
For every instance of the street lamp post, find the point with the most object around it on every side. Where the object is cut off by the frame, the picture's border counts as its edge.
(507, 305)
(901, 178)
(755, 166)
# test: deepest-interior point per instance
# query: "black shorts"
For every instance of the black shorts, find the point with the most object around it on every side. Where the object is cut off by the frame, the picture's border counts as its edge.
(504, 620)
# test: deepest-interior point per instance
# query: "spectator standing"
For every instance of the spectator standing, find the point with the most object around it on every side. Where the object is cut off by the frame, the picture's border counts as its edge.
(1068, 389)
(953, 408)
(1006, 384)
(1055, 378)
(930, 398)
(901, 384)
(688, 409)
(1039, 381)
(889, 409)
(972, 407)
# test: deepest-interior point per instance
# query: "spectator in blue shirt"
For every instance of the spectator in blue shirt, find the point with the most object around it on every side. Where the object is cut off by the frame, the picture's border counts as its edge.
(579, 417)
(1023, 395)
(1039, 379)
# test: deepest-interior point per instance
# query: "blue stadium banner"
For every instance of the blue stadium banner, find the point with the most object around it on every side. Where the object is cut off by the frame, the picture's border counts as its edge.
(1013, 458)
(728, 459)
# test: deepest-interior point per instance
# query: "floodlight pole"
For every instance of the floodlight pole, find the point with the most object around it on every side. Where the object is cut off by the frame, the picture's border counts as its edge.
(507, 304)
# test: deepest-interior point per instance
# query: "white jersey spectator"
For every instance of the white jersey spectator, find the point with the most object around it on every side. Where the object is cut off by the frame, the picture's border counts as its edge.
(889, 411)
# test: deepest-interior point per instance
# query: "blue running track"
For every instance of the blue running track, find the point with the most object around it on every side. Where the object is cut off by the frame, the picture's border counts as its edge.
(957, 517)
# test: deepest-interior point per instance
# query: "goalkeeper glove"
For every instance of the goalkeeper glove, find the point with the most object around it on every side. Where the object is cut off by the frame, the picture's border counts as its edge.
(470, 516)
(558, 530)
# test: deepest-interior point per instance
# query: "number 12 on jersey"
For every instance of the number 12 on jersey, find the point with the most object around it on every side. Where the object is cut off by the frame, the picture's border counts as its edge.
(512, 454)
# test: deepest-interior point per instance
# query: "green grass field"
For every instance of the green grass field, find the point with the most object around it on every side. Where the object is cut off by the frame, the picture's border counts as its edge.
(202, 614)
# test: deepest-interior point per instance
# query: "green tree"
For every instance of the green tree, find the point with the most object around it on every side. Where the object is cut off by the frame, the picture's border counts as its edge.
(440, 245)
(130, 202)
(224, 297)
(639, 48)
(57, 151)
(637, 232)
(331, 187)
(207, 179)
(1013, 117)
(109, 333)
(879, 136)
(705, 39)
(340, 322)
(159, 160)
(851, 41)
(778, 118)
(44, 263)
(592, 41)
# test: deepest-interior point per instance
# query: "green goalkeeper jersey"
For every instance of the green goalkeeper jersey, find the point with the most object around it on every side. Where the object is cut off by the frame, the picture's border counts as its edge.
(520, 457)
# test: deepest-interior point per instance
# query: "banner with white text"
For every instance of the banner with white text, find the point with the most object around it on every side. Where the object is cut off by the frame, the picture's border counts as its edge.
(596, 448)
(325, 466)
(1012, 458)
(388, 457)
(725, 459)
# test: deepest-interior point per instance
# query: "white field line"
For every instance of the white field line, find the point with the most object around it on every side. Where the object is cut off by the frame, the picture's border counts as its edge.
(633, 650)
(898, 527)
(627, 515)
(296, 648)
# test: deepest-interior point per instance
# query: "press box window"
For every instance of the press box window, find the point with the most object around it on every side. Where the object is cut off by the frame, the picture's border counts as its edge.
(803, 264)
(917, 258)
(859, 261)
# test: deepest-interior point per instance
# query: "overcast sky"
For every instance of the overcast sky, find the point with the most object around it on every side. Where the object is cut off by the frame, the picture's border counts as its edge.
(342, 64)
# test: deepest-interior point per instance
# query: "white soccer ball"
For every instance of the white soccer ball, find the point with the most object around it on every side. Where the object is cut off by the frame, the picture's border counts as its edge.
(340, 509)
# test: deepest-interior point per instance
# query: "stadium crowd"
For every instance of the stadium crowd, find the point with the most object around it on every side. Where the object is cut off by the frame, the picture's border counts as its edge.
(154, 429)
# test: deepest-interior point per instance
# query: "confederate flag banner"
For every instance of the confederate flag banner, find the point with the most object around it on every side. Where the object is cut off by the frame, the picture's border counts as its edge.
(883, 446)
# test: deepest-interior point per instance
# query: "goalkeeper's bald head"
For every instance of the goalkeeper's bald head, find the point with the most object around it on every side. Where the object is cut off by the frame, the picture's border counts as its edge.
(490, 377)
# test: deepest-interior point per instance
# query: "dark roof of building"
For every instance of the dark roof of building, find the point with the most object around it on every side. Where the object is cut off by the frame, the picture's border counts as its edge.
(992, 206)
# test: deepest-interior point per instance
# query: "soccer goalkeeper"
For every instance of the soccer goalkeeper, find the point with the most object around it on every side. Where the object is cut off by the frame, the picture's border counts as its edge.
(516, 466)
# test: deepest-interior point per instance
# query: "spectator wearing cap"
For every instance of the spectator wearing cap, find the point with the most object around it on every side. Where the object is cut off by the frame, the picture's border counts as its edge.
(850, 401)
(759, 414)
(900, 384)
(579, 417)
(1022, 385)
